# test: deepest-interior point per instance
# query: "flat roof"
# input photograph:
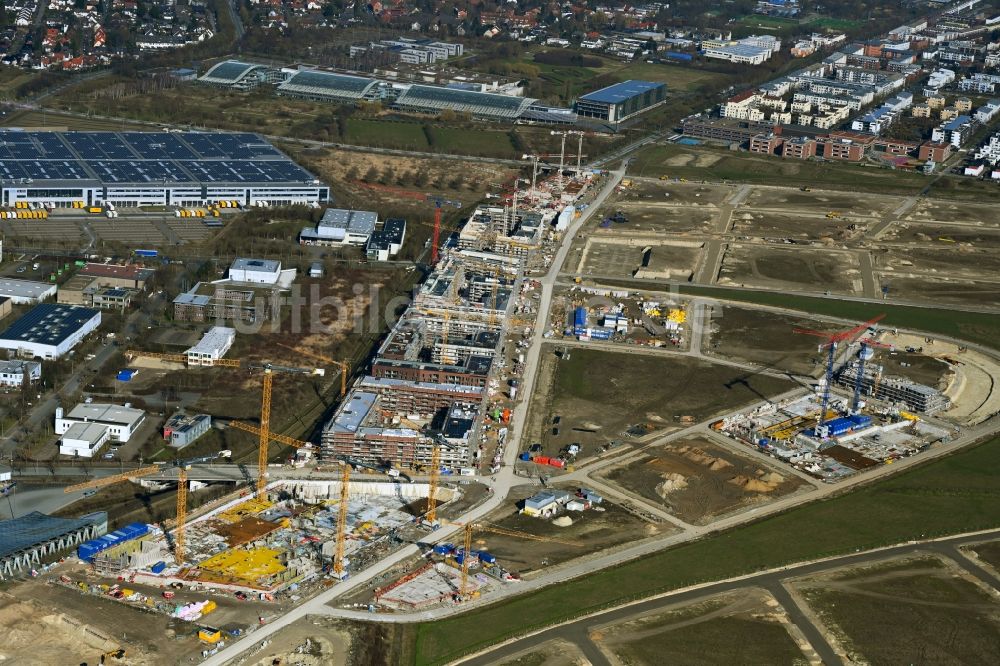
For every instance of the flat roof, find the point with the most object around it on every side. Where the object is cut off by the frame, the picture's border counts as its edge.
(36, 528)
(619, 92)
(87, 432)
(352, 221)
(103, 412)
(214, 341)
(24, 288)
(65, 159)
(49, 323)
(261, 265)
(354, 411)
(126, 272)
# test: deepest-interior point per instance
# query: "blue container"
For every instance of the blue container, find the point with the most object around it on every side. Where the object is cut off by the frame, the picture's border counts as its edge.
(488, 558)
(580, 317)
(158, 567)
(443, 548)
(601, 333)
(146, 253)
(686, 57)
(524, 456)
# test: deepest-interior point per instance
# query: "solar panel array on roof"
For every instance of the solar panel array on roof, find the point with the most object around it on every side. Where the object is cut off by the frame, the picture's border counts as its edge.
(229, 71)
(328, 84)
(619, 92)
(49, 324)
(431, 98)
(144, 157)
(36, 528)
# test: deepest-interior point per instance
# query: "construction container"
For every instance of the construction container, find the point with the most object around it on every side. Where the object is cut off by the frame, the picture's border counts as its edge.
(209, 635)
(88, 549)
(209, 607)
(158, 567)
(525, 457)
(540, 460)
(557, 462)
(487, 558)
(443, 549)
(95, 209)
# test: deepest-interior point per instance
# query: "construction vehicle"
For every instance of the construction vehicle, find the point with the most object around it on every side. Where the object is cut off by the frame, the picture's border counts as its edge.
(805, 188)
(182, 469)
(832, 341)
(469, 528)
(832, 215)
(118, 653)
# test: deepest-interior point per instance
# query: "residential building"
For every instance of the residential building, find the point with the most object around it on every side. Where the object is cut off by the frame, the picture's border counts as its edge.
(766, 144)
(937, 152)
(13, 373)
(956, 131)
(799, 147)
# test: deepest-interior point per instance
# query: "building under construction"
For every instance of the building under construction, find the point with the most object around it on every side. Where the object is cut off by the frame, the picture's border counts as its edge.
(506, 231)
(896, 390)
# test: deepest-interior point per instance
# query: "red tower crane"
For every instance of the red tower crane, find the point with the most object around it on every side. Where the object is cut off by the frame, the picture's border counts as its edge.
(832, 341)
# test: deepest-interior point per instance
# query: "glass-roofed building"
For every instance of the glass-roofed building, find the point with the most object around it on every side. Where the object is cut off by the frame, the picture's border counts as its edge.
(433, 99)
(328, 86)
(240, 75)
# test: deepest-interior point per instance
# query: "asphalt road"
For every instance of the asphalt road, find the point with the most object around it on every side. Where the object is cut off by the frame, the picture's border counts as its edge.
(770, 580)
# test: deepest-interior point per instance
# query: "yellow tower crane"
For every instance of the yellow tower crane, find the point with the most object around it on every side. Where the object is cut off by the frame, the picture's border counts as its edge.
(182, 469)
(435, 476)
(265, 407)
(469, 528)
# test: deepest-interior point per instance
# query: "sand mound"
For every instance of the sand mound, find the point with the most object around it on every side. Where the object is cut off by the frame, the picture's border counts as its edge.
(702, 458)
(562, 521)
(671, 482)
(752, 485)
(773, 477)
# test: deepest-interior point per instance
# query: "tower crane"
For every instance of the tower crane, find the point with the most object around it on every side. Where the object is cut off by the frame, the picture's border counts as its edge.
(832, 341)
(435, 476)
(182, 482)
(469, 528)
(345, 367)
(864, 354)
(265, 406)
(339, 567)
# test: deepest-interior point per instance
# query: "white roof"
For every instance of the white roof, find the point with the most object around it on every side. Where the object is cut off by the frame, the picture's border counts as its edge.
(216, 340)
(86, 432)
(258, 265)
(106, 413)
(24, 288)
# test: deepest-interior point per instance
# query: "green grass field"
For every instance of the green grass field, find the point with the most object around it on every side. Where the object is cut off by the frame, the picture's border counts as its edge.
(953, 495)
(459, 141)
(380, 133)
(677, 77)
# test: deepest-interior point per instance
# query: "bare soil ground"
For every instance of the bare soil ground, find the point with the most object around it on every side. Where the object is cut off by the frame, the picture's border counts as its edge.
(945, 236)
(949, 262)
(989, 553)
(741, 627)
(766, 338)
(599, 395)
(770, 267)
(698, 480)
(591, 531)
(943, 289)
(950, 211)
(826, 200)
(811, 227)
(920, 610)
(624, 257)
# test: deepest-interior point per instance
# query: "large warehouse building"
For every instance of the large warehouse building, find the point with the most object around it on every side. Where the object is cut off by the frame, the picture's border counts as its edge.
(49, 330)
(150, 168)
(621, 101)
